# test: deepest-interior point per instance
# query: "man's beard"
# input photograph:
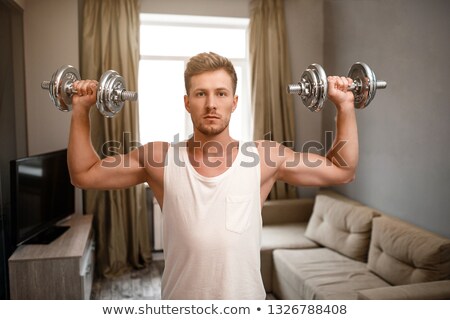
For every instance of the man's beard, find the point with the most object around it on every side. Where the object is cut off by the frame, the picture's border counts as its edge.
(212, 130)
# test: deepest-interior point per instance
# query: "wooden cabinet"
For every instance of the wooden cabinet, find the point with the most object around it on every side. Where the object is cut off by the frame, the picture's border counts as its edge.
(63, 269)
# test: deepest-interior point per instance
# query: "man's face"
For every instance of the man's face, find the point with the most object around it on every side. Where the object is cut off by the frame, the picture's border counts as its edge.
(211, 101)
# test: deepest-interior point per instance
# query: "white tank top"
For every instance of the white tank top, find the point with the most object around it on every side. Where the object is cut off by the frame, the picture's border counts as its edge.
(212, 229)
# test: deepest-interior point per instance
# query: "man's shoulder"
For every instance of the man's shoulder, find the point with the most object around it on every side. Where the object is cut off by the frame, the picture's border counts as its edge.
(268, 146)
(273, 153)
(157, 146)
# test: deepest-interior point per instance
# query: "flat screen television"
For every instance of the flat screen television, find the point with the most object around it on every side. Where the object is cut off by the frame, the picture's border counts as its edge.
(41, 196)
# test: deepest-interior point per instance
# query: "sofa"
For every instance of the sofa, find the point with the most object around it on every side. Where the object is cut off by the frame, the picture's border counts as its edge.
(332, 247)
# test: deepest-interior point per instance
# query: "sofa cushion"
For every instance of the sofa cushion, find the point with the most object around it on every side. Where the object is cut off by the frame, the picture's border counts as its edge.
(286, 236)
(342, 226)
(320, 274)
(434, 290)
(402, 254)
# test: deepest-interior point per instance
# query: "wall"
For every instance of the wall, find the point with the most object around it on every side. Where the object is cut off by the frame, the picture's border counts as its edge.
(404, 154)
(51, 40)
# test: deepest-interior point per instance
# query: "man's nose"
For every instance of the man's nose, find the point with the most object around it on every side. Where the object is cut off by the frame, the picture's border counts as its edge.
(211, 102)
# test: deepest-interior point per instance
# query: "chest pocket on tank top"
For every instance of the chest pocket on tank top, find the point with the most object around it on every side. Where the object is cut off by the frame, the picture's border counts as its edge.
(237, 213)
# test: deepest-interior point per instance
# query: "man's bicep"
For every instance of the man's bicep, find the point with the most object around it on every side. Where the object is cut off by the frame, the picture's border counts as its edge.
(117, 172)
(113, 172)
(309, 169)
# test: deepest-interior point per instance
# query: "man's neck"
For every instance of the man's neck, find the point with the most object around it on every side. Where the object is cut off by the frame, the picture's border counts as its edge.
(219, 145)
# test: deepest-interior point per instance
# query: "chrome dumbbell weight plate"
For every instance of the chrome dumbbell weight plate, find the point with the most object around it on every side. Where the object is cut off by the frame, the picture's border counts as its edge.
(111, 94)
(60, 87)
(319, 87)
(108, 102)
(312, 88)
(364, 85)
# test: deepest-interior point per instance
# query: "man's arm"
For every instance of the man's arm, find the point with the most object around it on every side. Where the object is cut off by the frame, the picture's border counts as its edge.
(87, 170)
(340, 163)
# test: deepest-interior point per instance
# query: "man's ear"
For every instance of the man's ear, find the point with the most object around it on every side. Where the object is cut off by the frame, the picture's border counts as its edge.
(235, 102)
(186, 104)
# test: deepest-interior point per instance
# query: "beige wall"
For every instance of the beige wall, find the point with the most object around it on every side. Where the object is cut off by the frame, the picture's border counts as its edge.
(51, 40)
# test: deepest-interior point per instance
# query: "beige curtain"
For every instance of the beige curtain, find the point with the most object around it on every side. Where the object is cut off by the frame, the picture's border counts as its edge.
(110, 40)
(270, 73)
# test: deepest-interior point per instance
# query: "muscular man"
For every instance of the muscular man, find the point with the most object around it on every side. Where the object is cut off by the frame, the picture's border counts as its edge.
(211, 187)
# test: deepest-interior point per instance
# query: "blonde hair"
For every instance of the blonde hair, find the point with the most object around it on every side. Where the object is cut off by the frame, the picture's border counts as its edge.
(208, 61)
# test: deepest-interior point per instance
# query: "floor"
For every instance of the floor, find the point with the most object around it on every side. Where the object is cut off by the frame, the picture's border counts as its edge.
(142, 284)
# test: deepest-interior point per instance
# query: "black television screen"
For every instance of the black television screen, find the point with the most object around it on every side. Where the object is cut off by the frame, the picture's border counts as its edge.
(41, 195)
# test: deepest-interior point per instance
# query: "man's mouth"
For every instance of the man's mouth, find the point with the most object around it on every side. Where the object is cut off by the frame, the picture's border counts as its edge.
(211, 116)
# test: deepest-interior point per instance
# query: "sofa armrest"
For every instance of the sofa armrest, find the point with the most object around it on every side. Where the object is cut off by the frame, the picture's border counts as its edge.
(287, 211)
(435, 290)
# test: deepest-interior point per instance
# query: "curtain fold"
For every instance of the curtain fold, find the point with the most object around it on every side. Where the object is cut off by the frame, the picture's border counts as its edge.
(270, 74)
(110, 40)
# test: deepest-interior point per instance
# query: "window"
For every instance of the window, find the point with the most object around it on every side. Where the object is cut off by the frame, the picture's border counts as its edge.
(167, 42)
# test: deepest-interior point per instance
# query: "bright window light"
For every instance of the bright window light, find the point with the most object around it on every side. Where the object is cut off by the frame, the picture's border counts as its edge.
(167, 42)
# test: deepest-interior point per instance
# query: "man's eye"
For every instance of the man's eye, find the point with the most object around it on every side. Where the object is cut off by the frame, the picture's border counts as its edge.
(200, 94)
(222, 94)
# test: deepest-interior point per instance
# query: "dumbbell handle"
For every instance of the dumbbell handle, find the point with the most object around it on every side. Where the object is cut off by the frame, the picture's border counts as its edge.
(45, 85)
(123, 95)
(356, 85)
(301, 88)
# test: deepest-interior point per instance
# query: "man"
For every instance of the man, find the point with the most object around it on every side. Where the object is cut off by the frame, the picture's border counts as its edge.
(211, 188)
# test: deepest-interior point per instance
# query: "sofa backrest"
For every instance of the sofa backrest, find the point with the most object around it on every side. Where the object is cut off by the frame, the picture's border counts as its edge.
(287, 211)
(342, 225)
(401, 253)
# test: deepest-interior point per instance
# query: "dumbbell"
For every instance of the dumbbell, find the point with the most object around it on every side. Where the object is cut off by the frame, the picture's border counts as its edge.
(313, 86)
(111, 93)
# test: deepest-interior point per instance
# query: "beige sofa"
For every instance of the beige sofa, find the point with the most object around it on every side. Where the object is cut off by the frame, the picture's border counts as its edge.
(332, 247)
